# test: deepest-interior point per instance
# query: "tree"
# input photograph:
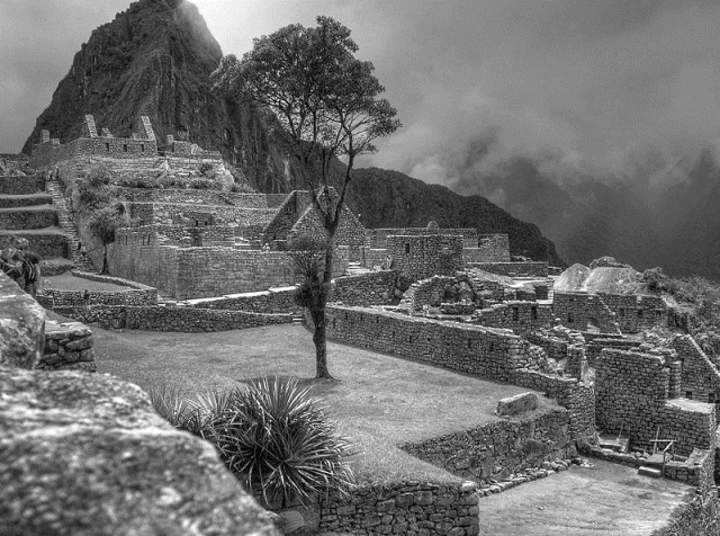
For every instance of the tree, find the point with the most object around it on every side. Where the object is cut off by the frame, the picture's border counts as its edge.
(102, 225)
(328, 103)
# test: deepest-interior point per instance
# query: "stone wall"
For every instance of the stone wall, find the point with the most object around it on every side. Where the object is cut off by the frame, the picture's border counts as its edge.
(522, 317)
(426, 292)
(404, 508)
(631, 313)
(209, 270)
(133, 294)
(512, 269)
(493, 248)
(422, 256)
(68, 346)
(168, 318)
(700, 376)
(47, 154)
(194, 196)
(578, 311)
(24, 184)
(477, 350)
(576, 396)
(491, 353)
(632, 396)
(377, 238)
(164, 213)
(372, 288)
(499, 449)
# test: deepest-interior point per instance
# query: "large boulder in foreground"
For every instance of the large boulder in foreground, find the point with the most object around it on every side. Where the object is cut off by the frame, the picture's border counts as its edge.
(86, 454)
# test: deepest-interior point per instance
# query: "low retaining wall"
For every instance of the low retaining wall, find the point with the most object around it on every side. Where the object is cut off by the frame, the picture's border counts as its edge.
(498, 449)
(404, 508)
(133, 294)
(374, 288)
(161, 318)
(67, 346)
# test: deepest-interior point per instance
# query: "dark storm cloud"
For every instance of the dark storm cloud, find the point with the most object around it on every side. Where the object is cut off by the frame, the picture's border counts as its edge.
(587, 81)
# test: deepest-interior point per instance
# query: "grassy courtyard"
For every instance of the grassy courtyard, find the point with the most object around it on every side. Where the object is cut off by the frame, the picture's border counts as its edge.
(379, 402)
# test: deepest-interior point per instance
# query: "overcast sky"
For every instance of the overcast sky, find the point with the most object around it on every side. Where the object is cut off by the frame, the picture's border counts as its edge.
(590, 79)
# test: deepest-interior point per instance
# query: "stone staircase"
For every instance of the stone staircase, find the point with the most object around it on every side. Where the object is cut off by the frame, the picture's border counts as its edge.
(28, 211)
(67, 224)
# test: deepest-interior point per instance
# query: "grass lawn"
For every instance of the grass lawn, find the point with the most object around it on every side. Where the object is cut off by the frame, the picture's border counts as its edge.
(68, 281)
(379, 402)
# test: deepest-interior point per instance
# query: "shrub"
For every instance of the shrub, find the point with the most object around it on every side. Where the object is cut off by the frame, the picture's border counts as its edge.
(273, 435)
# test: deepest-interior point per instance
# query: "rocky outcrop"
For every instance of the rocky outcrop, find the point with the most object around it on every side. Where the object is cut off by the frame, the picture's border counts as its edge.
(85, 454)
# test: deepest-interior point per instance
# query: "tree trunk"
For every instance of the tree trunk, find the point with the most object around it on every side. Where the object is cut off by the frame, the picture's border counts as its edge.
(318, 313)
(104, 269)
(320, 340)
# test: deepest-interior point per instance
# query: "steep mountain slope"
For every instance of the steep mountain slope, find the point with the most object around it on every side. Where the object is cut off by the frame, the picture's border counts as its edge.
(391, 199)
(156, 58)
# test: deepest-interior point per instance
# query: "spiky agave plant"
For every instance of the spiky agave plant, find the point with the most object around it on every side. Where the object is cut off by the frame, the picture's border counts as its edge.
(276, 436)
(183, 414)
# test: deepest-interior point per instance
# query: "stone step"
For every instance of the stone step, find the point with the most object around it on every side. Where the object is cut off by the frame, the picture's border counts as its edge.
(47, 243)
(25, 200)
(22, 185)
(650, 471)
(35, 217)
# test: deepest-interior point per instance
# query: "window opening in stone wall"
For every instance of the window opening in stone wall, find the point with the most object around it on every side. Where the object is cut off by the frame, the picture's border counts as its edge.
(407, 248)
(377, 319)
(688, 394)
(142, 147)
(622, 311)
(125, 148)
(711, 398)
(469, 343)
(570, 318)
(107, 147)
(640, 313)
(492, 346)
(533, 313)
(516, 314)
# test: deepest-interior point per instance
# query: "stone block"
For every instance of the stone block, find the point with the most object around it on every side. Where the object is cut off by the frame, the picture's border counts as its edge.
(517, 404)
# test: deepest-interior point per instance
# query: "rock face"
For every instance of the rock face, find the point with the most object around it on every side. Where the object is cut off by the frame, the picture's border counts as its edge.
(156, 59)
(86, 454)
